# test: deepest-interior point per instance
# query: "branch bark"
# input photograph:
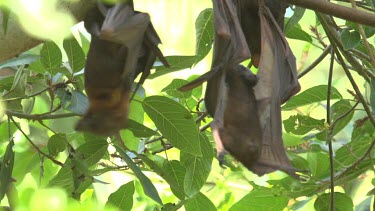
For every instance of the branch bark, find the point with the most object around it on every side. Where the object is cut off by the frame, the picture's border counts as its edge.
(347, 13)
(16, 41)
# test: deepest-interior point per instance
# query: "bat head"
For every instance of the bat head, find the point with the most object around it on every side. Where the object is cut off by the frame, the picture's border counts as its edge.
(107, 114)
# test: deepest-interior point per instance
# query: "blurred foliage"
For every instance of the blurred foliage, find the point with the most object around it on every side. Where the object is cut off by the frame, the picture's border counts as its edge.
(168, 161)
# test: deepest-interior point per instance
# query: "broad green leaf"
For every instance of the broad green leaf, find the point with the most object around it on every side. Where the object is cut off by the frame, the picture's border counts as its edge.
(338, 109)
(200, 202)
(22, 59)
(176, 172)
(79, 103)
(25, 162)
(75, 54)
(17, 90)
(172, 91)
(171, 171)
(148, 188)
(349, 153)
(139, 130)
(37, 66)
(342, 202)
(90, 154)
(93, 151)
(291, 140)
(350, 39)
(57, 143)
(6, 169)
(176, 63)
(131, 142)
(297, 33)
(197, 168)
(300, 124)
(174, 122)
(122, 198)
(319, 164)
(313, 95)
(259, 200)
(51, 56)
(204, 33)
(85, 43)
(298, 162)
(296, 17)
(369, 31)
(136, 110)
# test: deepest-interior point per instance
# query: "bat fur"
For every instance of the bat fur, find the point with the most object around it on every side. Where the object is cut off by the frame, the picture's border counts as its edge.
(123, 45)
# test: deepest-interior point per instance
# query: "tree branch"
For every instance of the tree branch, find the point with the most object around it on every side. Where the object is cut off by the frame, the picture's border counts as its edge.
(347, 13)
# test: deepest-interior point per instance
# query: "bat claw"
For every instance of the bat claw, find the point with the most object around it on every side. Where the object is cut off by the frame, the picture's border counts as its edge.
(220, 157)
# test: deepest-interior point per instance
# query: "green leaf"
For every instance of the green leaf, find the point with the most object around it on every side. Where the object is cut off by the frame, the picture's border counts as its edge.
(37, 66)
(75, 54)
(139, 130)
(172, 91)
(338, 109)
(300, 124)
(361, 140)
(350, 39)
(342, 202)
(51, 56)
(197, 168)
(297, 33)
(176, 63)
(93, 151)
(200, 202)
(176, 172)
(79, 103)
(90, 153)
(17, 90)
(122, 198)
(259, 200)
(296, 17)
(174, 122)
(147, 185)
(22, 59)
(85, 43)
(204, 33)
(318, 164)
(313, 95)
(57, 143)
(171, 171)
(6, 169)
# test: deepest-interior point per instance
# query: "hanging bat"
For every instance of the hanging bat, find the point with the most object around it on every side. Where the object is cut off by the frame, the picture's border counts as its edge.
(124, 44)
(277, 83)
(236, 127)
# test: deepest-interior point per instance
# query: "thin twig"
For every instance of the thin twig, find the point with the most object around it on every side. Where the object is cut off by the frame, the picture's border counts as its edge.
(316, 62)
(40, 92)
(39, 116)
(364, 38)
(35, 146)
(329, 133)
(345, 68)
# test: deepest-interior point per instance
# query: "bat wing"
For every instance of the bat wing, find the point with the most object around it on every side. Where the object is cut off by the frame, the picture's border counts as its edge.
(277, 83)
(230, 48)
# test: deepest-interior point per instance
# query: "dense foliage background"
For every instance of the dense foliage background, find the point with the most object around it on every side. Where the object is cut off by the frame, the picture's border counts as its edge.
(168, 157)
